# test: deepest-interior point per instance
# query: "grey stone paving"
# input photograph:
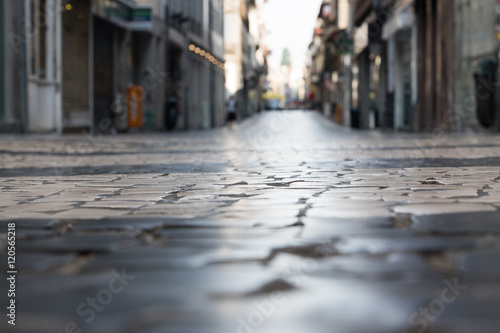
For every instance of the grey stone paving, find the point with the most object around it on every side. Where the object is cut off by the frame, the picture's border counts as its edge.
(287, 223)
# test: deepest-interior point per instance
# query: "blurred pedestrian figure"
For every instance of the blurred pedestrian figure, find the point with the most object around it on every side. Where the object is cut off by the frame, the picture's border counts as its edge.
(231, 111)
(171, 110)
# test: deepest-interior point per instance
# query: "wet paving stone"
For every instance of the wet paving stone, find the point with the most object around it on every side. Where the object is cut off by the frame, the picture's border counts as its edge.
(480, 266)
(480, 222)
(37, 234)
(40, 224)
(80, 243)
(404, 243)
(431, 208)
(316, 228)
(37, 263)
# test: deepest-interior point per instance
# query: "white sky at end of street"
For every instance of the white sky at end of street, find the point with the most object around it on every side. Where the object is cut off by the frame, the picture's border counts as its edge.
(290, 24)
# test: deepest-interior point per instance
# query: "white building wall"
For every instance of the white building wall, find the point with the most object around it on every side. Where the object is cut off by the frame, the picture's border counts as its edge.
(233, 34)
(43, 90)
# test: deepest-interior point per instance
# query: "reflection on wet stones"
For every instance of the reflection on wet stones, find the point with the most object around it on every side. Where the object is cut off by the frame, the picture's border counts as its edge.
(271, 287)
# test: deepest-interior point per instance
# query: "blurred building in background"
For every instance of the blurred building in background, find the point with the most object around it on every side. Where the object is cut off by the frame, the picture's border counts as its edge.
(111, 65)
(127, 50)
(11, 111)
(196, 63)
(411, 65)
(246, 53)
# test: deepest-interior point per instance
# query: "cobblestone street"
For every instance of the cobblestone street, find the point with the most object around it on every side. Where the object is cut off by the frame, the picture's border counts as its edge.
(286, 223)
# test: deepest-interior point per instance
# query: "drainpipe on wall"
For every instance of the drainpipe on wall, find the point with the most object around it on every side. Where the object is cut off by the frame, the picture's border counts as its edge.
(23, 102)
(186, 69)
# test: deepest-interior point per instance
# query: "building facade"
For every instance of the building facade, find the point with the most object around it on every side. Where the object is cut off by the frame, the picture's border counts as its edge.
(245, 54)
(111, 65)
(329, 66)
(408, 65)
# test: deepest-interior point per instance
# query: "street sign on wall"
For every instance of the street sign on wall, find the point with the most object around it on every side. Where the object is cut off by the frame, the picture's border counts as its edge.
(140, 18)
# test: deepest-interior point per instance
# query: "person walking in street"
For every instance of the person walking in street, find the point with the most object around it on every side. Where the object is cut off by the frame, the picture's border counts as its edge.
(171, 110)
(231, 111)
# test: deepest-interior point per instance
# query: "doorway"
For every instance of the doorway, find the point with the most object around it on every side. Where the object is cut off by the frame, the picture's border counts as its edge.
(103, 76)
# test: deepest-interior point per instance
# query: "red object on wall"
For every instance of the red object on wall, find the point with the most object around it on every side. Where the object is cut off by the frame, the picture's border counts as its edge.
(135, 119)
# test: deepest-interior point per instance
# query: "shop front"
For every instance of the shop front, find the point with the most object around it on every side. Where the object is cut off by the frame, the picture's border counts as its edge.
(122, 46)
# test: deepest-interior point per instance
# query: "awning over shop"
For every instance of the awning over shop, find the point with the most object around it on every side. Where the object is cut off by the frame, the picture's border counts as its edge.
(125, 14)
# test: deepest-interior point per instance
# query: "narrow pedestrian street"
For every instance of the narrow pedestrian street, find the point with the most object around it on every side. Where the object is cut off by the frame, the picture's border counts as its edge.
(285, 223)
